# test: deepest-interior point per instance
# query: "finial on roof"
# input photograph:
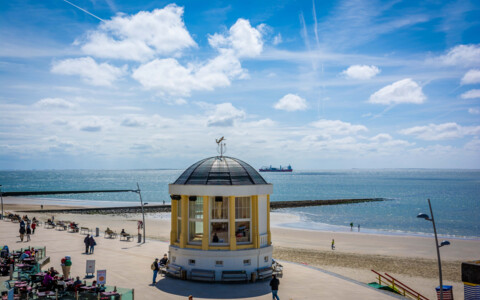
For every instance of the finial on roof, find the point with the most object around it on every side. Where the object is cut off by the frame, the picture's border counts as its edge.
(221, 147)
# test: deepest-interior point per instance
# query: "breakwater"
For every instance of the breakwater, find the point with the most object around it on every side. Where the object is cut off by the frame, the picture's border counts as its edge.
(166, 207)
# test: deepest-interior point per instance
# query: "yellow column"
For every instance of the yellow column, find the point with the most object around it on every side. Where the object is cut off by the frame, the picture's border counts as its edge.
(184, 233)
(206, 229)
(173, 232)
(269, 234)
(231, 223)
(255, 221)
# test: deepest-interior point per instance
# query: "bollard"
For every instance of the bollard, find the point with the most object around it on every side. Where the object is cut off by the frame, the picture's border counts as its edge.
(139, 238)
(97, 231)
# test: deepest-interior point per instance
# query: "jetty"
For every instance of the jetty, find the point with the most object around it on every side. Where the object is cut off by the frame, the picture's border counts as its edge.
(167, 208)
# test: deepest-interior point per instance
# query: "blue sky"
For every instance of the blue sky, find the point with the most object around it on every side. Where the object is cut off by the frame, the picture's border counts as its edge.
(316, 84)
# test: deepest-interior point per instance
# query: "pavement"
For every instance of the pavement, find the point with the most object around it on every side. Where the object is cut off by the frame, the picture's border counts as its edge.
(128, 266)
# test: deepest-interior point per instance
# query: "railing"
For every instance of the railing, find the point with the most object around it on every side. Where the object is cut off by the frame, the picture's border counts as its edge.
(263, 240)
(396, 284)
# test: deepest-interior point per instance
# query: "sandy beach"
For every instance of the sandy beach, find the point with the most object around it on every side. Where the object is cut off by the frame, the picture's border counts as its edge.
(410, 259)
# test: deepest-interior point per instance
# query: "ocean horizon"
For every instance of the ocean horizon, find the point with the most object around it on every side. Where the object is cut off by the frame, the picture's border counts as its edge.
(455, 195)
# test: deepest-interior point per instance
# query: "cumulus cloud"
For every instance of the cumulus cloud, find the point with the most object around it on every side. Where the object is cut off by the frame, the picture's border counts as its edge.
(87, 68)
(382, 137)
(474, 111)
(471, 94)
(336, 127)
(436, 132)
(54, 103)
(462, 55)
(242, 38)
(225, 115)
(291, 102)
(139, 37)
(471, 77)
(402, 91)
(277, 39)
(361, 72)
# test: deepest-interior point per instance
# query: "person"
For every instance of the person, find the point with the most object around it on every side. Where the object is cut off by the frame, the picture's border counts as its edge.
(274, 283)
(29, 231)
(190, 297)
(22, 230)
(47, 280)
(155, 271)
(123, 233)
(351, 226)
(77, 281)
(164, 260)
(41, 206)
(215, 238)
(91, 243)
(333, 244)
(23, 256)
(85, 241)
(358, 227)
(34, 225)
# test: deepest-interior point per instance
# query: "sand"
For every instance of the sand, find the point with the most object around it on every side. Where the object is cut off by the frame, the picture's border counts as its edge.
(410, 259)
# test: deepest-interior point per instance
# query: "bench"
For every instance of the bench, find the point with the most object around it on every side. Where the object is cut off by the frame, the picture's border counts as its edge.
(110, 234)
(263, 273)
(234, 276)
(49, 225)
(72, 228)
(126, 237)
(61, 226)
(85, 230)
(174, 270)
(202, 275)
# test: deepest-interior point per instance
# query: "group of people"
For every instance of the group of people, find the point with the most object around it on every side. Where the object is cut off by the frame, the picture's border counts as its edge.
(90, 244)
(156, 265)
(351, 226)
(27, 227)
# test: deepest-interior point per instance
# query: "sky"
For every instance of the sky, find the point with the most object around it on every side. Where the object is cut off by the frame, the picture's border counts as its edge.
(109, 84)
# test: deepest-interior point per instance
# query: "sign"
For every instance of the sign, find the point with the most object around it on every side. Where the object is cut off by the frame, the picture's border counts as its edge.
(90, 266)
(101, 276)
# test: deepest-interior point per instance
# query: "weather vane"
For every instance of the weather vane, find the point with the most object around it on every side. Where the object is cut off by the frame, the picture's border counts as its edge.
(221, 147)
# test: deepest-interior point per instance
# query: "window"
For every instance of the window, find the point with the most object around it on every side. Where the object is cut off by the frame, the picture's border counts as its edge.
(174, 259)
(247, 262)
(265, 259)
(191, 262)
(195, 221)
(243, 220)
(219, 220)
(179, 219)
(219, 263)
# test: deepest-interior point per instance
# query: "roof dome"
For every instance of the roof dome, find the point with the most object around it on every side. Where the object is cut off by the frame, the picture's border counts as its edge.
(220, 171)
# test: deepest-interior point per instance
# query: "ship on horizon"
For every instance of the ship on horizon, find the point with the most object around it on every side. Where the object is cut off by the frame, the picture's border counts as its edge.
(272, 169)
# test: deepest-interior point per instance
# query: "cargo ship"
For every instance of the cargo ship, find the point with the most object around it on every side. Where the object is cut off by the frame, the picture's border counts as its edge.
(272, 169)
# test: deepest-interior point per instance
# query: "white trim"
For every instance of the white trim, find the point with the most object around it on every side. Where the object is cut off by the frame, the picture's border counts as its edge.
(220, 190)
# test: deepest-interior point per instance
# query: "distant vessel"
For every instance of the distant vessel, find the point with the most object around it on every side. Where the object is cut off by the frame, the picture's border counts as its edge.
(272, 169)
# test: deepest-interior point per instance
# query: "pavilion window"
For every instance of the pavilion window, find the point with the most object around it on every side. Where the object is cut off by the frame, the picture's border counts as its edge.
(179, 219)
(195, 221)
(219, 220)
(243, 222)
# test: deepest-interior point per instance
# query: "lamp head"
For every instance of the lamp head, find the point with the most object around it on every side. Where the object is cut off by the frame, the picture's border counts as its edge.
(423, 216)
(146, 203)
(444, 243)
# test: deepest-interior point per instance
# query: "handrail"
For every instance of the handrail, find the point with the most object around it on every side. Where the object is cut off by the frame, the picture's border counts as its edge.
(403, 286)
(406, 286)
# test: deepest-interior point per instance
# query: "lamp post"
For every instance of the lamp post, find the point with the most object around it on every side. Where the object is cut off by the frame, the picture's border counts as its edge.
(1, 198)
(437, 246)
(143, 212)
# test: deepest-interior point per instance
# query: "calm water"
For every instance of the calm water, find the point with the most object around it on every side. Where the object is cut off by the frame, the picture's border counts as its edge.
(455, 195)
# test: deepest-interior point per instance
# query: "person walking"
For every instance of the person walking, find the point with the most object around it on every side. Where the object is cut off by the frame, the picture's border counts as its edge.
(333, 244)
(155, 269)
(29, 231)
(22, 230)
(91, 243)
(274, 283)
(358, 227)
(351, 226)
(34, 225)
(85, 241)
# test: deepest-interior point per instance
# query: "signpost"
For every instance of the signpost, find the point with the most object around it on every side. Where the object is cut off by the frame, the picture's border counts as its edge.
(90, 268)
(101, 276)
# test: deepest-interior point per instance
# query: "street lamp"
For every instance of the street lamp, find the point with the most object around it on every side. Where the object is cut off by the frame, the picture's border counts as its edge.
(437, 246)
(1, 217)
(143, 212)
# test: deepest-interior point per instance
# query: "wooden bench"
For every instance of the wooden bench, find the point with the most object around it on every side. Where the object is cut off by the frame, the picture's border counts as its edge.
(126, 237)
(61, 226)
(85, 230)
(264, 273)
(202, 275)
(110, 234)
(174, 270)
(234, 276)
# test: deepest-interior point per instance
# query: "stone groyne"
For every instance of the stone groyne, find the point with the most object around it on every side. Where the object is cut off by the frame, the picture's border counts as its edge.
(166, 207)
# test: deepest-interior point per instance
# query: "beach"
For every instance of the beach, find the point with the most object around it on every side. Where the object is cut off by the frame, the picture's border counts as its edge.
(410, 259)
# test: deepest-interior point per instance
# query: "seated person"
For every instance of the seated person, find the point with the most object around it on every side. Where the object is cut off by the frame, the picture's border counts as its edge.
(48, 280)
(23, 256)
(77, 281)
(53, 272)
(123, 233)
(164, 260)
(101, 288)
(215, 238)
(108, 231)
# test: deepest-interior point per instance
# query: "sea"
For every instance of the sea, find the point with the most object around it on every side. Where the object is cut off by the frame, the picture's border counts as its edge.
(454, 194)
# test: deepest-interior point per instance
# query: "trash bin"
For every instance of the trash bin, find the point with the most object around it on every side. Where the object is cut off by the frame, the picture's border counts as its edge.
(184, 274)
(139, 238)
(254, 276)
(97, 231)
(447, 292)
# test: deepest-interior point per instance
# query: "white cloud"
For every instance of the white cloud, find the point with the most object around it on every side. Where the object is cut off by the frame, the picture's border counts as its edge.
(471, 94)
(242, 38)
(139, 37)
(361, 71)
(402, 91)
(291, 102)
(471, 77)
(54, 103)
(336, 127)
(224, 115)
(462, 55)
(92, 73)
(434, 132)
(474, 111)
(382, 137)
(277, 39)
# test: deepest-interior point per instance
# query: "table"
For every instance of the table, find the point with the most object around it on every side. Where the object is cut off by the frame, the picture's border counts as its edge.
(109, 294)
(46, 293)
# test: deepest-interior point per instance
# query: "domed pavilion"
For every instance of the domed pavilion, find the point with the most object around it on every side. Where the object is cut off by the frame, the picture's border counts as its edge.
(220, 220)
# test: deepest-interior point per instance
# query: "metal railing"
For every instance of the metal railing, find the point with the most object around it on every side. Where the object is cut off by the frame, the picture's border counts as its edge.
(399, 286)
